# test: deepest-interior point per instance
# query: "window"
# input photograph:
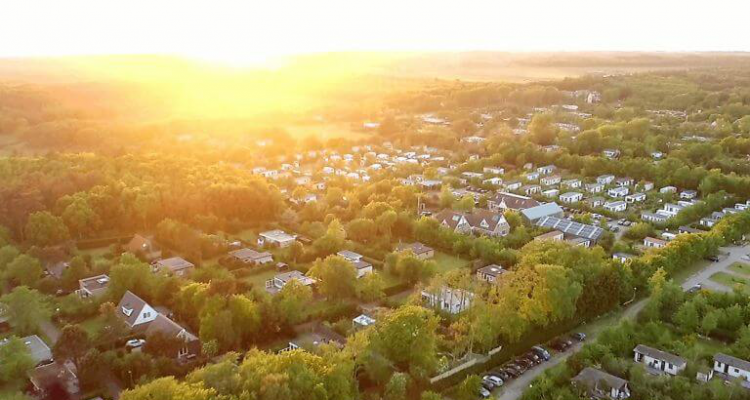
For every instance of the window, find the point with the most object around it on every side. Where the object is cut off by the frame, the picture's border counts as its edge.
(146, 315)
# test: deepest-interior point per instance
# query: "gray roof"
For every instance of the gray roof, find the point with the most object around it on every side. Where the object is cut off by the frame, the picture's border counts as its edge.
(169, 328)
(416, 248)
(38, 350)
(592, 378)
(174, 263)
(660, 355)
(544, 210)
(492, 270)
(571, 227)
(732, 361)
(249, 254)
(132, 302)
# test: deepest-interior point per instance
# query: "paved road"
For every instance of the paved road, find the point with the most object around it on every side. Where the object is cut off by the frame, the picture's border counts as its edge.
(515, 388)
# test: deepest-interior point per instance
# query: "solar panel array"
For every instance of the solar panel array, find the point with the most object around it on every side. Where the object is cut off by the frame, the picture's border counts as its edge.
(571, 227)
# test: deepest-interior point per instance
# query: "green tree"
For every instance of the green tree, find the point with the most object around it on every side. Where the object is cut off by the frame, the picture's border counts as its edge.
(370, 287)
(338, 277)
(26, 309)
(72, 344)
(541, 130)
(468, 389)
(80, 218)
(291, 301)
(466, 204)
(408, 337)
(169, 389)
(397, 386)
(24, 270)
(16, 360)
(45, 229)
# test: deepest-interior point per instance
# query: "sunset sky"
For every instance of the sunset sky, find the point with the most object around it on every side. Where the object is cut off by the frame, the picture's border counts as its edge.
(247, 31)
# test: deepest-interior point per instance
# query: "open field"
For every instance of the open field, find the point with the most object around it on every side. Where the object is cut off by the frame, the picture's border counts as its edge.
(740, 268)
(731, 281)
(446, 262)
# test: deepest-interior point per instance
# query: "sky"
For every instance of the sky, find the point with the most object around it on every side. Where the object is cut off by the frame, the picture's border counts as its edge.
(254, 30)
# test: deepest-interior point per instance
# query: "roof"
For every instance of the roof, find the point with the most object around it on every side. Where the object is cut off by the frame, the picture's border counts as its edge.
(174, 263)
(544, 210)
(295, 275)
(571, 227)
(593, 378)
(361, 264)
(416, 248)
(660, 355)
(349, 255)
(249, 254)
(655, 240)
(278, 235)
(130, 307)
(94, 282)
(38, 350)
(492, 219)
(492, 270)
(364, 320)
(514, 201)
(139, 242)
(732, 361)
(549, 235)
(169, 328)
(45, 376)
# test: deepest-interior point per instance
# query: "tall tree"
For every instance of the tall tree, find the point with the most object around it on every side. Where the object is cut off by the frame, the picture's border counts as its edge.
(27, 309)
(72, 344)
(45, 229)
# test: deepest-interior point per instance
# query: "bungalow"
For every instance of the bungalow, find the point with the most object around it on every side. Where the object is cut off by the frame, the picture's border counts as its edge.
(528, 190)
(647, 185)
(688, 194)
(54, 375)
(731, 367)
(687, 229)
(624, 182)
(279, 281)
(668, 189)
(494, 170)
(92, 287)
(176, 266)
(571, 197)
(545, 210)
(659, 361)
(431, 184)
(620, 191)
(472, 175)
(611, 153)
(658, 218)
(363, 267)
(555, 236)
(572, 183)
(419, 250)
(363, 321)
(450, 300)
(532, 176)
(509, 201)
(596, 201)
(616, 206)
(579, 241)
(551, 180)
(605, 179)
(495, 181)
(594, 187)
(143, 247)
(547, 169)
(654, 243)
(490, 273)
(635, 197)
(134, 311)
(250, 257)
(190, 346)
(601, 385)
(551, 193)
(515, 185)
(623, 258)
(277, 238)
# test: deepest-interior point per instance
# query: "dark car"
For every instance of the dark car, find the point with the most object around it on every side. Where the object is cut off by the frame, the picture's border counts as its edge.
(525, 363)
(511, 372)
(541, 352)
(531, 356)
(579, 336)
(713, 258)
(558, 345)
(487, 384)
(500, 374)
(519, 367)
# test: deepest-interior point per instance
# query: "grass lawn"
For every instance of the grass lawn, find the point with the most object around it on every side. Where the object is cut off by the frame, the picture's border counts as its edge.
(683, 274)
(447, 262)
(740, 268)
(730, 280)
(259, 279)
(93, 326)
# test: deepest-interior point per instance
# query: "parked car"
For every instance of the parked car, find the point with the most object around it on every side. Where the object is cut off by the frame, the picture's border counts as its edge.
(135, 343)
(484, 393)
(541, 352)
(695, 288)
(487, 384)
(559, 344)
(500, 374)
(519, 367)
(531, 356)
(495, 380)
(579, 336)
(525, 363)
(511, 372)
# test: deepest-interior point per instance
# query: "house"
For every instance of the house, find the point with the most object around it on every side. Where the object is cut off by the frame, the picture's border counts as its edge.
(450, 300)
(623, 258)
(363, 321)
(635, 197)
(363, 267)
(654, 217)
(143, 247)
(571, 228)
(596, 201)
(190, 345)
(279, 281)
(250, 257)
(611, 153)
(659, 361)
(647, 185)
(654, 243)
(616, 206)
(494, 170)
(688, 194)
(509, 201)
(276, 238)
(545, 210)
(420, 251)
(657, 155)
(668, 189)
(620, 191)
(495, 181)
(571, 197)
(601, 385)
(38, 350)
(551, 193)
(528, 190)
(92, 287)
(480, 221)
(687, 229)
(547, 169)
(176, 266)
(56, 269)
(605, 179)
(550, 180)
(490, 273)
(624, 181)
(51, 377)
(555, 236)
(731, 367)
(515, 185)
(594, 187)
(134, 311)
(572, 183)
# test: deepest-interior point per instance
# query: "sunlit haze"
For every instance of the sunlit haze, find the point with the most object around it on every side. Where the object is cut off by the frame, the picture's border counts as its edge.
(251, 31)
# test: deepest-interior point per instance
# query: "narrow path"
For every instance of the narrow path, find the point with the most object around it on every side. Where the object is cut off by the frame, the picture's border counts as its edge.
(51, 331)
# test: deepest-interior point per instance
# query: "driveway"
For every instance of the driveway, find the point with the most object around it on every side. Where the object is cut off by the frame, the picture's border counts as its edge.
(702, 277)
(515, 388)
